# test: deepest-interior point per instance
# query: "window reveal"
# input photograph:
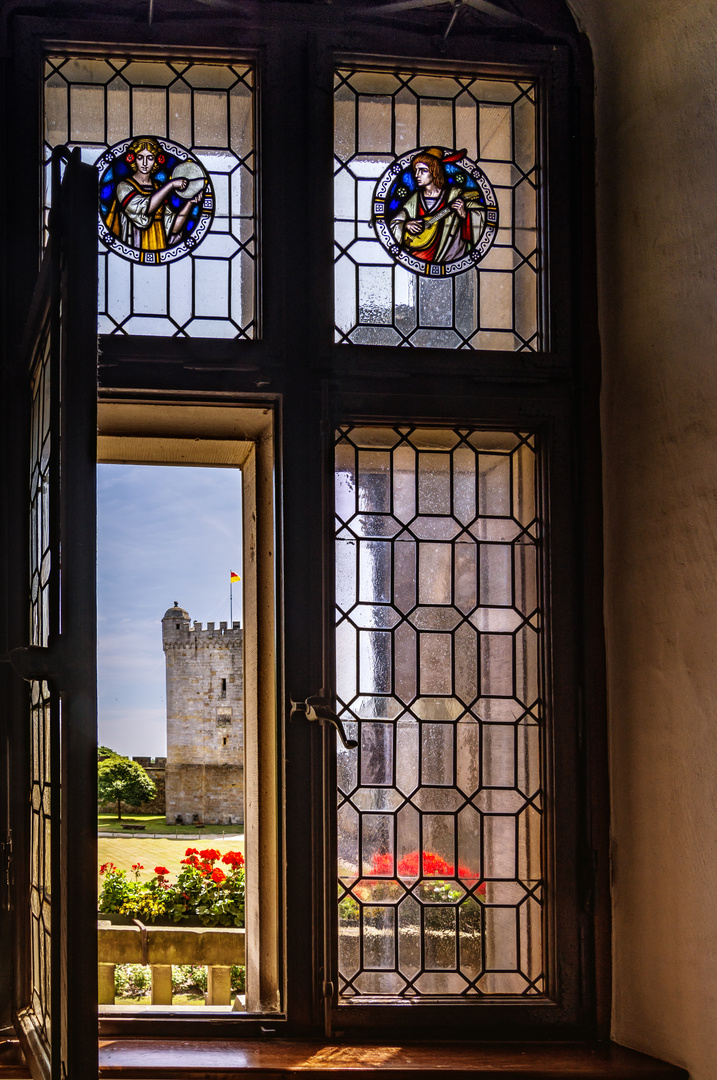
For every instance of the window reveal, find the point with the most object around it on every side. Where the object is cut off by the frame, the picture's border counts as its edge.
(438, 642)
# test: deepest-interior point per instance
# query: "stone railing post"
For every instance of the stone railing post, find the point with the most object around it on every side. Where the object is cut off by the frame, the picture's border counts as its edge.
(161, 984)
(219, 985)
(106, 982)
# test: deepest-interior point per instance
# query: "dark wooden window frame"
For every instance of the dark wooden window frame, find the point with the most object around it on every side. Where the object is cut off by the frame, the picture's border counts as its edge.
(296, 362)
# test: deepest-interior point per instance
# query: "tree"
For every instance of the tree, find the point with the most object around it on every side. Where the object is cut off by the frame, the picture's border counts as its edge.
(122, 780)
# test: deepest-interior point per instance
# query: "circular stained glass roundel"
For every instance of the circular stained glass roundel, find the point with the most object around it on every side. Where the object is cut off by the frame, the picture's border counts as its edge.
(435, 211)
(156, 200)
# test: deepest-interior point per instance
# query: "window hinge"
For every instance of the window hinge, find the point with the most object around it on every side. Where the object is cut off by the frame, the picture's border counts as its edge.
(327, 994)
(580, 717)
(7, 852)
(588, 875)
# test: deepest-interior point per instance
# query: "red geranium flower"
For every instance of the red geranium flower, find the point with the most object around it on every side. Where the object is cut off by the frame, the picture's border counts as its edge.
(234, 858)
(382, 863)
(161, 870)
(107, 866)
(191, 851)
(218, 875)
(137, 866)
(427, 864)
(210, 853)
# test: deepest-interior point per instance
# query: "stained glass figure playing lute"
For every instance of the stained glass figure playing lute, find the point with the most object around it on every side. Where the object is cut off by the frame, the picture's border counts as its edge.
(435, 211)
(438, 223)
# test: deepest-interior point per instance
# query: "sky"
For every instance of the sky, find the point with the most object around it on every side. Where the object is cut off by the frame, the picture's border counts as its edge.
(165, 533)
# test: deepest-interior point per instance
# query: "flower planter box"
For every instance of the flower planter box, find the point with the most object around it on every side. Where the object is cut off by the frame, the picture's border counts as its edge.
(124, 941)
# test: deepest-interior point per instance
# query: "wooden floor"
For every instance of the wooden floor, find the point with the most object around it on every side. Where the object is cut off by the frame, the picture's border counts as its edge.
(194, 1059)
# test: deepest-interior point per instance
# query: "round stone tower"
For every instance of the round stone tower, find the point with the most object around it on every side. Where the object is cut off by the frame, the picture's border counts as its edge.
(205, 721)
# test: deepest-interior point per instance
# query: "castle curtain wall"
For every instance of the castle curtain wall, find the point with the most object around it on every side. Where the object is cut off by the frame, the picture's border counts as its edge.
(155, 769)
(656, 76)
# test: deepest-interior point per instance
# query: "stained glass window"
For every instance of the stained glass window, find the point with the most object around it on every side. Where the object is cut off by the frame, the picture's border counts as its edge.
(446, 260)
(438, 677)
(197, 275)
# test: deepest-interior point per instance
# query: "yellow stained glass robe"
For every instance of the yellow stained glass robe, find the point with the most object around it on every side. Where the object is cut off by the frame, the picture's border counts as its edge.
(130, 220)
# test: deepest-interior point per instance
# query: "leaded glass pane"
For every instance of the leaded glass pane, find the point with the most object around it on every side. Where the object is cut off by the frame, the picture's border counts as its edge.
(41, 706)
(188, 267)
(438, 648)
(447, 260)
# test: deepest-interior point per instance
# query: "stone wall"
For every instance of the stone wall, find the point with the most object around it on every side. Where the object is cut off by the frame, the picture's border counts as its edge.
(155, 769)
(205, 721)
(211, 794)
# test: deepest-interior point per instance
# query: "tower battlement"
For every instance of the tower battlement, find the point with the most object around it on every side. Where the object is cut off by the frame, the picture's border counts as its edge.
(224, 628)
(178, 630)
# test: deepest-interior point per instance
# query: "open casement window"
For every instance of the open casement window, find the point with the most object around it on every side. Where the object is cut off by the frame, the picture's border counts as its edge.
(390, 274)
(57, 1003)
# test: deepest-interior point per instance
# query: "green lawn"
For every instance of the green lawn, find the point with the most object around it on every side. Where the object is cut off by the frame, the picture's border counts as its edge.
(155, 823)
(177, 999)
(123, 851)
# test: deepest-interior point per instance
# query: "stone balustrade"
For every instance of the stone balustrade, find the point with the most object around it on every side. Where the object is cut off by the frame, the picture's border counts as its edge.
(216, 948)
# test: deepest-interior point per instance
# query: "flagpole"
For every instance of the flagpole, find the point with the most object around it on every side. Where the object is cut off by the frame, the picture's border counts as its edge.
(232, 578)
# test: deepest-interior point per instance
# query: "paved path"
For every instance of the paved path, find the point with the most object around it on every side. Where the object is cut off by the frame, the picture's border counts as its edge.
(139, 834)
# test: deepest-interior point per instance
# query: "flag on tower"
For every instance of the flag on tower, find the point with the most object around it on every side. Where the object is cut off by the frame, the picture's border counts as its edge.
(233, 578)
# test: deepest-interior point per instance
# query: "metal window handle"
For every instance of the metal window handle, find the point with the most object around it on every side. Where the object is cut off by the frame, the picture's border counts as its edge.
(318, 708)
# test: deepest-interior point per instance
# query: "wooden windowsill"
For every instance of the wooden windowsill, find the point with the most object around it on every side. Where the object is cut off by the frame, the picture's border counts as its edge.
(223, 1059)
(197, 1059)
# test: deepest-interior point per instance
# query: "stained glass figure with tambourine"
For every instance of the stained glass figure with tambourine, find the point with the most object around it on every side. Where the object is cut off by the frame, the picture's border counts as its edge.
(156, 200)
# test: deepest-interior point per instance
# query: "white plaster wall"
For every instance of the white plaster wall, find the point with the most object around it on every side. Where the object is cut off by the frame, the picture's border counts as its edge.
(656, 74)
